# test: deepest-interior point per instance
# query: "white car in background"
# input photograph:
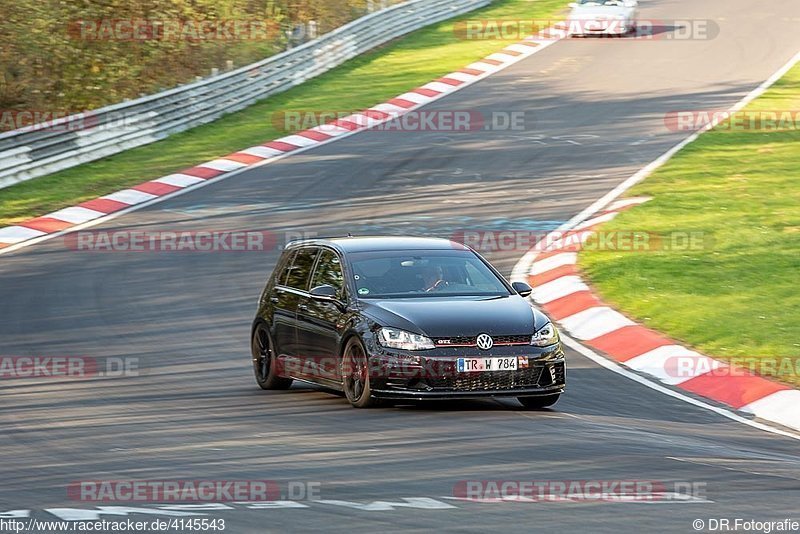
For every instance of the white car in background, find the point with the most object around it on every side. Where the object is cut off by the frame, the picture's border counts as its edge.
(603, 17)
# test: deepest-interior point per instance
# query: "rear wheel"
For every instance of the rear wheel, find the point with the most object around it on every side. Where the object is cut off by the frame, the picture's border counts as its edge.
(264, 366)
(355, 375)
(536, 403)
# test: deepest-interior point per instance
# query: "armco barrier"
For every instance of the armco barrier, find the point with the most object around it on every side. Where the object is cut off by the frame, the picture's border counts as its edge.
(30, 152)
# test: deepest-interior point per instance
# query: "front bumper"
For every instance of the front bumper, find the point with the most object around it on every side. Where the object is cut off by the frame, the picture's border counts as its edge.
(433, 374)
(453, 395)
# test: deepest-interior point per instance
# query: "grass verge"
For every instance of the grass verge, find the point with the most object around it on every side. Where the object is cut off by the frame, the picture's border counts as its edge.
(737, 296)
(358, 84)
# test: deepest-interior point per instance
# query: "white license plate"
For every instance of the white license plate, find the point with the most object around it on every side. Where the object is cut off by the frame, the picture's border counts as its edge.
(482, 365)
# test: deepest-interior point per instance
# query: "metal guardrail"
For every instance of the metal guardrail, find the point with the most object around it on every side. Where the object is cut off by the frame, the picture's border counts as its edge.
(31, 152)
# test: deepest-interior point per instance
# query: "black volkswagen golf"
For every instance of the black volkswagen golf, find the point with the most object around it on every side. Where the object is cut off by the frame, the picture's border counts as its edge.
(402, 318)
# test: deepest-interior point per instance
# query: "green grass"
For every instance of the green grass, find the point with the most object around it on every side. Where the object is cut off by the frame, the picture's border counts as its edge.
(358, 84)
(739, 297)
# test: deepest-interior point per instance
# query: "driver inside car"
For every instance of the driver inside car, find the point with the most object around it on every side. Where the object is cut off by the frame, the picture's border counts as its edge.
(433, 278)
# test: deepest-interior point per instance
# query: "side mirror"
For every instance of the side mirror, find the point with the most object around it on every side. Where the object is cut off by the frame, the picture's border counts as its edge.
(522, 288)
(323, 292)
(328, 293)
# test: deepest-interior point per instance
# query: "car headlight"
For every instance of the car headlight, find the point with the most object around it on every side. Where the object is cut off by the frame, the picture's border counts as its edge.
(546, 335)
(394, 338)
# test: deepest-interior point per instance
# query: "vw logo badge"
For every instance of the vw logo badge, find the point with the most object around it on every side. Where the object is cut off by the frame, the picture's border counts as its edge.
(485, 342)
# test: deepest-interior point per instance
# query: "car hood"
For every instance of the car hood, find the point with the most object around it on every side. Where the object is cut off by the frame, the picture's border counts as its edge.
(457, 316)
(591, 12)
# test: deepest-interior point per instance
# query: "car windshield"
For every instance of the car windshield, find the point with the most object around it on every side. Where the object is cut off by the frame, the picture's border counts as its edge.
(423, 273)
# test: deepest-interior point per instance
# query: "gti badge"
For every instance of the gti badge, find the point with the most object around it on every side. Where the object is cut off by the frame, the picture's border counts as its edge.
(484, 342)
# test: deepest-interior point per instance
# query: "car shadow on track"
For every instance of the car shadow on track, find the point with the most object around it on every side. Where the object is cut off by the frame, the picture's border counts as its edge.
(455, 405)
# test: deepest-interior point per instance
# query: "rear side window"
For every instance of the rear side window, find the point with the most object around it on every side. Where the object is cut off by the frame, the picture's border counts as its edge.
(300, 271)
(329, 271)
(282, 269)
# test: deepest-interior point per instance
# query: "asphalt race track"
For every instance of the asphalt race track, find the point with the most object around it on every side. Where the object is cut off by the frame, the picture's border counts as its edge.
(595, 110)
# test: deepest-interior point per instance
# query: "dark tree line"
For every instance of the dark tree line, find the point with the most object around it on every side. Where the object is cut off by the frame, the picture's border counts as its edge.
(60, 54)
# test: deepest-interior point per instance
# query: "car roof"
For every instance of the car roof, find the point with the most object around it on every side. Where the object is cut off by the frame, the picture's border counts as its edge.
(380, 243)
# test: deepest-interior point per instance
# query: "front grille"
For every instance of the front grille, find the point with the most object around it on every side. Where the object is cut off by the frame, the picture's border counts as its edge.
(506, 340)
(471, 340)
(498, 380)
(458, 340)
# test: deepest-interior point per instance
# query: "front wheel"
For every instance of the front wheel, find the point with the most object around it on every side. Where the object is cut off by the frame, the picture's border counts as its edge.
(537, 403)
(264, 366)
(355, 375)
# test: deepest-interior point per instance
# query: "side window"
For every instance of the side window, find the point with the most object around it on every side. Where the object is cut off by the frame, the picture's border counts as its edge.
(329, 271)
(300, 271)
(284, 263)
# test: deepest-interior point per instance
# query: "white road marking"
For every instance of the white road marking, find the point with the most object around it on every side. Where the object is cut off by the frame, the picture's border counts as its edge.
(461, 76)
(595, 322)
(262, 151)
(553, 262)
(440, 87)
(674, 364)
(782, 407)
(558, 288)
(423, 503)
(298, 140)
(179, 180)
(499, 56)
(329, 129)
(75, 214)
(222, 164)
(16, 234)
(130, 196)
(416, 97)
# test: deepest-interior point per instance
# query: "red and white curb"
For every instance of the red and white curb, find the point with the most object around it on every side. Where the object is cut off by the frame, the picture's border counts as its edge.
(100, 209)
(562, 293)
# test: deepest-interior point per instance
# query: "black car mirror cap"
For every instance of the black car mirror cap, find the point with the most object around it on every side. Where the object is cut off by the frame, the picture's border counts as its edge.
(324, 292)
(522, 288)
(327, 293)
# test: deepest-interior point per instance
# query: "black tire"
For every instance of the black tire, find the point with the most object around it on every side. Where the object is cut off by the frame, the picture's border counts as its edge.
(537, 403)
(355, 375)
(264, 366)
